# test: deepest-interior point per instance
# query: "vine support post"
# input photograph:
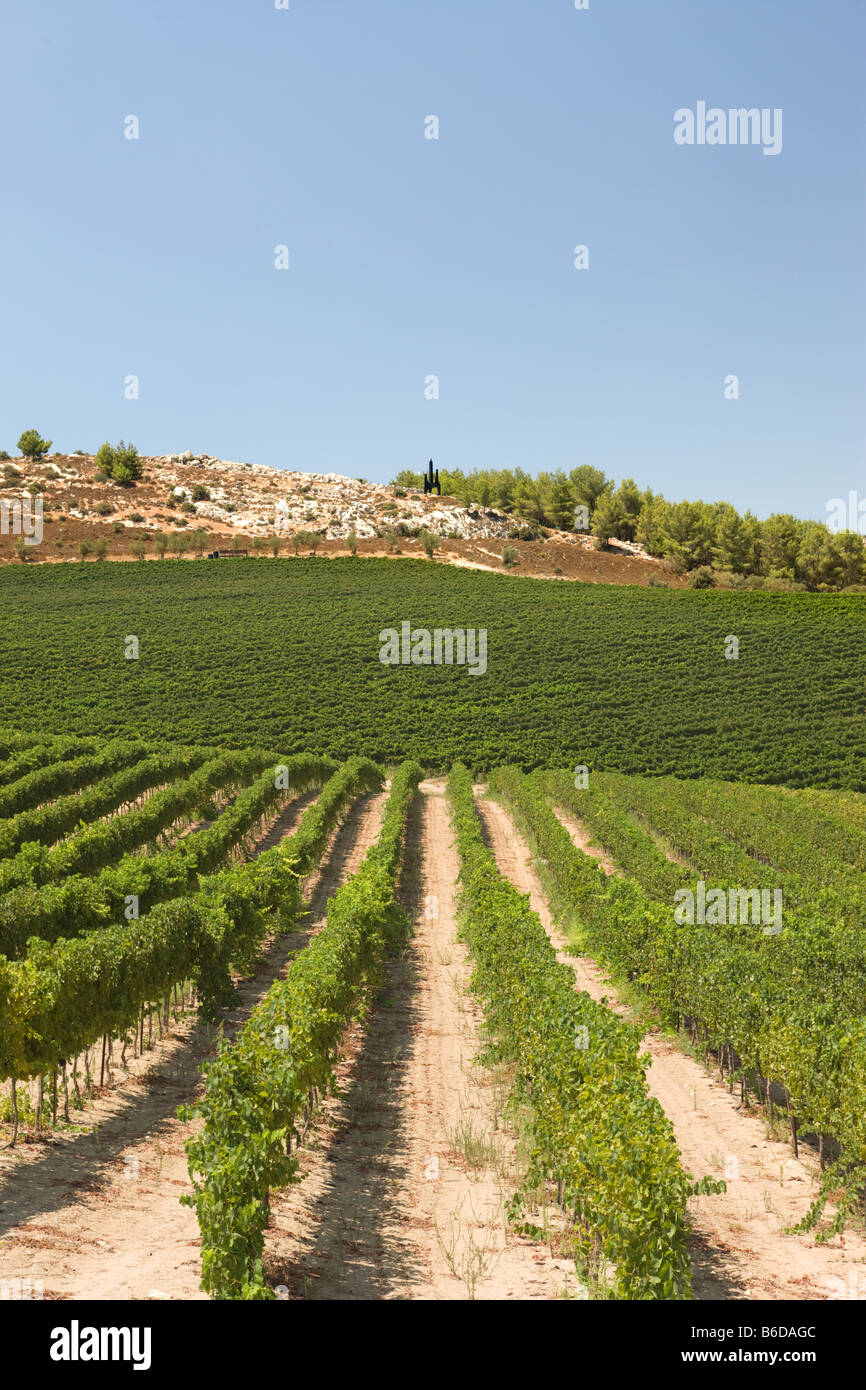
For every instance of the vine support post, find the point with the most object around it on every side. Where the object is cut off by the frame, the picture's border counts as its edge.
(102, 1065)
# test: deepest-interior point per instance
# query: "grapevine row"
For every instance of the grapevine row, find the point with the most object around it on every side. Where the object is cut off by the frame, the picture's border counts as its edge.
(32, 753)
(781, 1008)
(94, 846)
(623, 812)
(257, 1088)
(68, 775)
(597, 1133)
(67, 994)
(78, 904)
(44, 825)
(795, 838)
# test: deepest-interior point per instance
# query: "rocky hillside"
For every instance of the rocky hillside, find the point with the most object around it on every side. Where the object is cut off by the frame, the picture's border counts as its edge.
(254, 500)
(249, 506)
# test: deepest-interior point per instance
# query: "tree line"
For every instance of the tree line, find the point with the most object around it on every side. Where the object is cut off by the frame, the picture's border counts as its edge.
(711, 541)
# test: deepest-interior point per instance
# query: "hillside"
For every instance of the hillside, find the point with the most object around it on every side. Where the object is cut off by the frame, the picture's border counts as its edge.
(287, 654)
(246, 505)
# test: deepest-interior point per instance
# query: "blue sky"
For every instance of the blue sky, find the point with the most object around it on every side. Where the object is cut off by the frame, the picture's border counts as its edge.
(411, 257)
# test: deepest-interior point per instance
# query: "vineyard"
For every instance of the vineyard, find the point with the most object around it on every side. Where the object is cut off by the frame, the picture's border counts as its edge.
(287, 653)
(279, 1025)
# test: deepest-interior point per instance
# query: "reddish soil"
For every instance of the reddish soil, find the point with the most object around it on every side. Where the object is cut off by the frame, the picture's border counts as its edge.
(563, 556)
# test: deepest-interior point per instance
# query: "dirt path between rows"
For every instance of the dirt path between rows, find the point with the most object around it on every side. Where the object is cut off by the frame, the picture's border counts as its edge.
(96, 1215)
(583, 838)
(405, 1173)
(738, 1247)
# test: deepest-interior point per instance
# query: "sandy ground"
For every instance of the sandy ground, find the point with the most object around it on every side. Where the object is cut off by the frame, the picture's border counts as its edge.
(96, 1214)
(406, 1171)
(582, 837)
(738, 1247)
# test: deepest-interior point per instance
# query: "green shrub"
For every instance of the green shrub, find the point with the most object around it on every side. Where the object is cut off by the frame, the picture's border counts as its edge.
(702, 578)
(33, 446)
(120, 463)
(104, 459)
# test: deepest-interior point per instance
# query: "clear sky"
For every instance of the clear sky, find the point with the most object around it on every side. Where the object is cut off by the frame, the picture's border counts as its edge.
(411, 257)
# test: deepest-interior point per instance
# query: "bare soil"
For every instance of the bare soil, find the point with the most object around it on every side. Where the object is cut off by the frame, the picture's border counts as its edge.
(407, 1169)
(70, 504)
